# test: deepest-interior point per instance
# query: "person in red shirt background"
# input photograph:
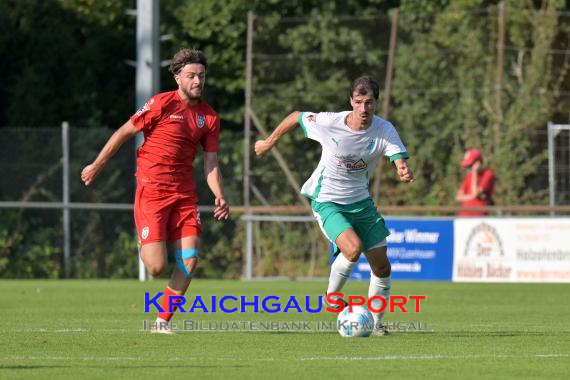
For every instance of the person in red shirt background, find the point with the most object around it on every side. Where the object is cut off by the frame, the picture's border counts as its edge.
(174, 124)
(477, 187)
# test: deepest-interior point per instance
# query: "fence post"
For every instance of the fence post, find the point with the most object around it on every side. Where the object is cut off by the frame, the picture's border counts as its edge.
(248, 249)
(66, 228)
(247, 146)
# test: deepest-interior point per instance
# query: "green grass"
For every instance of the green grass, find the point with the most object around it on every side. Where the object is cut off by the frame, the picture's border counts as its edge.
(93, 329)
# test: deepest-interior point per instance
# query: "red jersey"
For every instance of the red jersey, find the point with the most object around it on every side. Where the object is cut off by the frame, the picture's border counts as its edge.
(485, 181)
(172, 131)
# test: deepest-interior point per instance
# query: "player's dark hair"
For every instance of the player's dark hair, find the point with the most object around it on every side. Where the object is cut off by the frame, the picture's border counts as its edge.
(185, 57)
(363, 85)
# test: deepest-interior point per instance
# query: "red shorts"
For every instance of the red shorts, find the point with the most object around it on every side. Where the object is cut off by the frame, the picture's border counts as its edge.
(162, 216)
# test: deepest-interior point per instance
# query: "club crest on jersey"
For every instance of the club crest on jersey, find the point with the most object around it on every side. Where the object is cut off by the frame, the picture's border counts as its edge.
(201, 121)
(144, 232)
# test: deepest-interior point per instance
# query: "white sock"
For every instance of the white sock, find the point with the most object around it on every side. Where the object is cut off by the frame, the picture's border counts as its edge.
(379, 286)
(340, 271)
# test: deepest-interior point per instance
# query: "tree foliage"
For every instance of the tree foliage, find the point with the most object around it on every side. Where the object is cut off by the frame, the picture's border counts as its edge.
(65, 60)
(445, 93)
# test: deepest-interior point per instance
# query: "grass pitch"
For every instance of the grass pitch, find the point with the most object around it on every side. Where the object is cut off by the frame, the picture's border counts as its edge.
(93, 329)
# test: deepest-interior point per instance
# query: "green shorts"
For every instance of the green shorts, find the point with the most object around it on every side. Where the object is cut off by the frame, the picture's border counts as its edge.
(362, 217)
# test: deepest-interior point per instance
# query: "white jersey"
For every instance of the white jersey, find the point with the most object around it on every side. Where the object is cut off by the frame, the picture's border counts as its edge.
(349, 157)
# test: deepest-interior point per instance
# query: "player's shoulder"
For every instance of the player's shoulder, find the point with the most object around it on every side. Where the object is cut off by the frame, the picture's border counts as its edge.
(162, 100)
(207, 109)
(165, 97)
(381, 122)
(155, 104)
(383, 125)
(334, 116)
(326, 118)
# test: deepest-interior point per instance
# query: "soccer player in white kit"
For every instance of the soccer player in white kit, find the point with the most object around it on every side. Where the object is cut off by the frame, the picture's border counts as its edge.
(352, 143)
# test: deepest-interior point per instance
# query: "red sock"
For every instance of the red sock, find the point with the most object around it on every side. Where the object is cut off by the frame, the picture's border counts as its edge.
(165, 304)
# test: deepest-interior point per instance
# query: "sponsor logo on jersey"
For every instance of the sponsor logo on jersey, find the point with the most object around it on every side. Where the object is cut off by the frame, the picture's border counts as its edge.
(201, 121)
(352, 165)
(145, 108)
(179, 117)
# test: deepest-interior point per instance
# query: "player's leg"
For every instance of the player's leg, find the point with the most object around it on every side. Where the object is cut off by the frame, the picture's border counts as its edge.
(350, 248)
(151, 211)
(155, 258)
(374, 232)
(348, 245)
(380, 282)
(184, 230)
(186, 252)
(370, 227)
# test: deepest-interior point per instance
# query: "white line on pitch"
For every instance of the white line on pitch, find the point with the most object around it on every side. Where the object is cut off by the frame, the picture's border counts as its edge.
(336, 358)
(433, 357)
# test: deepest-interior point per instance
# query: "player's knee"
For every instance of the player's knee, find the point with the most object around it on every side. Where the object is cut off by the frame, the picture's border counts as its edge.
(155, 270)
(183, 262)
(353, 251)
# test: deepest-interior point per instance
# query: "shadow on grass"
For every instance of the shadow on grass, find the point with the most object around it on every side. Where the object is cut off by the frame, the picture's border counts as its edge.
(39, 366)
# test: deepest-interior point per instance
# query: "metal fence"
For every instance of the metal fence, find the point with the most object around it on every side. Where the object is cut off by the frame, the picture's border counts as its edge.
(51, 225)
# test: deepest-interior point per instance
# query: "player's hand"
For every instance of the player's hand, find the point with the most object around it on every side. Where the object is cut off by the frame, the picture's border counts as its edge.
(89, 173)
(262, 147)
(405, 173)
(222, 209)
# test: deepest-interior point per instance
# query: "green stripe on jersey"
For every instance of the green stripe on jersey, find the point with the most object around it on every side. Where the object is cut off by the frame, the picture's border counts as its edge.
(319, 184)
(399, 155)
(302, 125)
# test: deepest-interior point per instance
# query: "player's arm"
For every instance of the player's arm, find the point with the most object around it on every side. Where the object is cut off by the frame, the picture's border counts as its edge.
(214, 179)
(404, 171)
(286, 125)
(121, 135)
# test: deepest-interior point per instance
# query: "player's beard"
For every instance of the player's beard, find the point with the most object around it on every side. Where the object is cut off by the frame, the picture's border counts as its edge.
(194, 94)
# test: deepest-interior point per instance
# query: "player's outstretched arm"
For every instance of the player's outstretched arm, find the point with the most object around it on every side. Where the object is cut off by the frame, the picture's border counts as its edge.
(404, 171)
(214, 179)
(286, 125)
(121, 135)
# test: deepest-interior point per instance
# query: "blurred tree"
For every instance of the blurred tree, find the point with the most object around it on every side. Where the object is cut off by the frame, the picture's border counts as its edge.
(445, 94)
(64, 60)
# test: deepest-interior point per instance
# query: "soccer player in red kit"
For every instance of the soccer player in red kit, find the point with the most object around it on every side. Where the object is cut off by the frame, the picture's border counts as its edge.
(174, 124)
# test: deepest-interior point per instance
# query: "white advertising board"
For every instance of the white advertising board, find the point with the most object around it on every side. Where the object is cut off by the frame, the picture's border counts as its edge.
(511, 250)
